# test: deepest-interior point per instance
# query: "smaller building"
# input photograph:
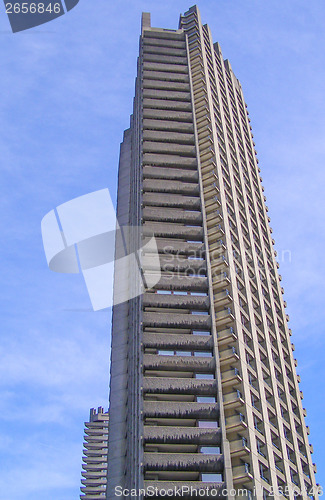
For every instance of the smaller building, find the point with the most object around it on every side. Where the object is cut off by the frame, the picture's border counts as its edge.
(95, 456)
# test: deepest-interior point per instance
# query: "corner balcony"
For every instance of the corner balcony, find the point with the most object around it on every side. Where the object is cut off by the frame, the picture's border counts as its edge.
(215, 233)
(241, 474)
(239, 447)
(235, 423)
(220, 281)
(228, 356)
(224, 317)
(231, 377)
(233, 400)
(223, 299)
(226, 336)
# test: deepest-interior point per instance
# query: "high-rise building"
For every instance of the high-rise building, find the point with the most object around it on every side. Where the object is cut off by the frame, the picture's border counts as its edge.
(204, 391)
(94, 474)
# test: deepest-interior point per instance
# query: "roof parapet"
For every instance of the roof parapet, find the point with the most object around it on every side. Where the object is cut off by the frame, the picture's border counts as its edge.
(145, 21)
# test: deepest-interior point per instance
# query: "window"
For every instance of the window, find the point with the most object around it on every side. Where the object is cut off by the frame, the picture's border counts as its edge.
(208, 424)
(258, 424)
(204, 354)
(260, 447)
(210, 450)
(211, 477)
(205, 399)
(263, 474)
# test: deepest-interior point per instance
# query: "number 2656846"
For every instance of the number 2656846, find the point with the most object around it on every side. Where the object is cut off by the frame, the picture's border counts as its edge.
(32, 8)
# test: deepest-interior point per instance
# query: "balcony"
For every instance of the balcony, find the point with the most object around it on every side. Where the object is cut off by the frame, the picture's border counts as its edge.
(233, 400)
(226, 336)
(170, 186)
(228, 356)
(223, 299)
(164, 230)
(176, 301)
(176, 410)
(241, 474)
(224, 317)
(183, 283)
(165, 160)
(235, 423)
(239, 447)
(175, 215)
(171, 201)
(231, 377)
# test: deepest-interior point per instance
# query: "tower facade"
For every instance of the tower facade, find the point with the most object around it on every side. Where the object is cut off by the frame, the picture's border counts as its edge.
(204, 391)
(94, 473)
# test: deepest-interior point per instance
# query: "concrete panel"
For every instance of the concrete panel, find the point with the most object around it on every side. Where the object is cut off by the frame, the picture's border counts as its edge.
(170, 173)
(182, 341)
(172, 215)
(169, 148)
(166, 319)
(169, 186)
(182, 435)
(164, 385)
(166, 409)
(183, 461)
(172, 201)
(160, 124)
(179, 363)
(172, 230)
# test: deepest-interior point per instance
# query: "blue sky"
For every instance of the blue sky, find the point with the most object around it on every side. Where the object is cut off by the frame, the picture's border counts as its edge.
(67, 90)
